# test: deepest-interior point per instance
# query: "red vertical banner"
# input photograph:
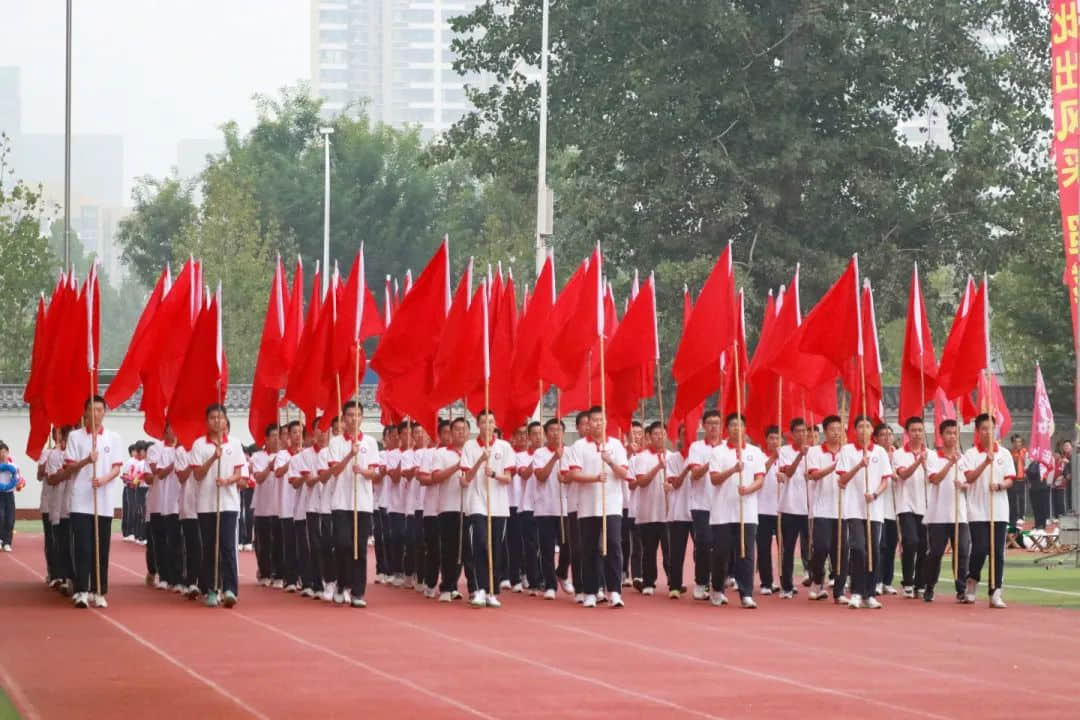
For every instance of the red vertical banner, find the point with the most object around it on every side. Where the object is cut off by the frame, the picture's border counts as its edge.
(1065, 88)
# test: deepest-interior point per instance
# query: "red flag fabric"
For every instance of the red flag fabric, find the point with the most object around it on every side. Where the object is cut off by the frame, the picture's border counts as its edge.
(204, 376)
(294, 320)
(72, 369)
(964, 357)
(692, 418)
(918, 365)
(770, 400)
(1002, 416)
(585, 391)
(454, 365)
(571, 344)
(270, 373)
(832, 329)
(304, 386)
(563, 309)
(529, 344)
(503, 336)
(39, 421)
(632, 350)
(734, 390)
(866, 392)
(127, 378)
(1040, 446)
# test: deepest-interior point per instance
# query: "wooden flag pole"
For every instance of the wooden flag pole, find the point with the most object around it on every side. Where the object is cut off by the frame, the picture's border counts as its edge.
(780, 430)
(956, 521)
(933, 432)
(806, 483)
(487, 482)
(866, 474)
(461, 501)
(93, 487)
(740, 447)
(840, 503)
(603, 470)
(356, 439)
(990, 454)
(217, 507)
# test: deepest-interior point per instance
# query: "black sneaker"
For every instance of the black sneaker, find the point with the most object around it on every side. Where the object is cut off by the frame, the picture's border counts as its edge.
(928, 594)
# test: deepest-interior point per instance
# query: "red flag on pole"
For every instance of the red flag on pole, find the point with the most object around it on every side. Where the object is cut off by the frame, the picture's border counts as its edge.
(691, 419)
(918, 366)
(833, 329)
(453, 378)
(204, 376)
(127, 378)
(631, 356)
(965, 355)
(585, 323)
(304, 385)
(270, 372)
(39, 421)
(871, 367)
(529, 343)
(729, 396)
(1040, 446)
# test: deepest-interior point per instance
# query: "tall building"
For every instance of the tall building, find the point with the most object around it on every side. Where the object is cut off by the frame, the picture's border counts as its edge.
(391, 56)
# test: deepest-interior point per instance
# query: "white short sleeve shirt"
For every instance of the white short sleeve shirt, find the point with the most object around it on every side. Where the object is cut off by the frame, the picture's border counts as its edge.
(80, 488)
(351, 484)
(232, 459)
(979, 494)
(501, 460)
(726, 500)
(947, 501)
(650, 498)
(585, 455)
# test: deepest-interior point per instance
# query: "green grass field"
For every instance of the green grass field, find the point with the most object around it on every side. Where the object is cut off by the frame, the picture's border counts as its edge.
(7, 710)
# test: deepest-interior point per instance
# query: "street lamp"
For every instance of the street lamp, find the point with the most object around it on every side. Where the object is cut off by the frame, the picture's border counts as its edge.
(326, 132)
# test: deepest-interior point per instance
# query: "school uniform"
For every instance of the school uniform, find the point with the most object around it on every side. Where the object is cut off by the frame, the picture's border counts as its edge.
(430, 513)
(724, 516)
(189, 523)
(595, 499)
(794, 508)
(286, 507)
(167, 543)
(414, 519)
(141, 504)
(826, 513)
(305, 465)
(216, 504)
(381, 521)
(46, 525)
(946, 522)
(679, 521)
(262, 504)
(82, 494)
(487, 497)
(154, 527)
(530, 535)
(453, 539)
(700, 454)
(351, 505)
(60, 519)
(650, 514)
(768, 502)
(398, 490)
(324, 527)
(547, 505)
(984, 504)
(910, 508)
(127, 500)
(573, 567)
(885, 560)
(857, 510)
(631, 553)
(514, 551)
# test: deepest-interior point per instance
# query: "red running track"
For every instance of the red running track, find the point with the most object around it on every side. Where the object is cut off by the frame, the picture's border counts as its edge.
(153, 654)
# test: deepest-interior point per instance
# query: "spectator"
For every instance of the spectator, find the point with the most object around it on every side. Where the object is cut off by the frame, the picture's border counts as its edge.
(1062, 475)
(7, 505)
(1037, 479)
(1018, 491)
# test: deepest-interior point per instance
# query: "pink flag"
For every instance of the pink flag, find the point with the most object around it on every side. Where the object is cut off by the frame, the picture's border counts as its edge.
(1042, 425)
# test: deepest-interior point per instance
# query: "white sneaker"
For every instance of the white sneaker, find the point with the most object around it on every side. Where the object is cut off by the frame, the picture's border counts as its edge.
(278, 584)
(129, 538)
(455, 595)
(674, 594)
(479, 599)
(359, 602)
(996, 601)
(601, 597)
(493, 601)
(589, 602)
(99, 602)
(909, 592)
(748, 603)
(346, 596)
(410, 582)
(339, 599)
(549, 594)
(398, 581)
(855, 602)
(445, 597)
(192, 591)
(786, 595)
(969, 591)
(420, 587)
(580, 598)
(627, 582)
(701, 592)
(890, 590)
(765, 591)
(504, 585)
(831, 583)
(843, 600)
(817, 593)
(161, 585)
(568, 586)
(290, 588)
(717, 598)
(873, 604)
(647, 591)
(82, 600)
(517, 588)
(431, 593)
(265, 582)
(307, 592)
(616, 600)
(879, 589)
(730, 584)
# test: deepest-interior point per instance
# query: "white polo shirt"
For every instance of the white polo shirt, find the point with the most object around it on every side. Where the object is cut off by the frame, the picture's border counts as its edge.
(140, 469)
(383, 490)
(768, 498)
(678, 502)
(232, 459)
(548, 497)
(54, 462)
(519, 488)
(725, 498)
(910, 493)
(650, 498)
(189, 493)
(864, 481)
(260, 502)
(824, 490)
(979, 493)
(286, 493)
(326, 490)
(585, 455)
(414, 501)
(46, 488)
(701, 490)
(350, 486)
(450, 497)
(501, 459)
(793, 496)
(80, 487)
(307, 499)
(948, 499)
(431, 492)
(160, 455)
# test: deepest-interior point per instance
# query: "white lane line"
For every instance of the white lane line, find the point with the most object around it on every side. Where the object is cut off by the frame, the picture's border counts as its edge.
(1044, 590)
(22, 703)
(150, 646)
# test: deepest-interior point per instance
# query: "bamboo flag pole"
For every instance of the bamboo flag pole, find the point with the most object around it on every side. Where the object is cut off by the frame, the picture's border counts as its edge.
(603, 470)
(866, 474)
(93, 486)
(990, 454)
(956, 521)
(806, 482)
(489, 419)
(217, 502)
(739, 448)
(780, 430)
(356, 438)
(840, 502)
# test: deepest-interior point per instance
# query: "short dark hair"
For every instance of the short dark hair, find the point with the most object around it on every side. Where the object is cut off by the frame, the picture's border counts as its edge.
(131, 448)
(402, 426)
(352, 404)
(796, 423)
(981, 418)
(3, 446)
(709, 415)
(93, 399)
(636, 423)
(862, 418)
(270, 429)
(533, 424)
(829, 420)
(772, 430)
(912, 421)
(443, 424)
(295, 424)
(554, 421)
(946, 424)
(1015, 436)
(734, 416)
(881, 427)
(595, 410)
(459, 419)
(583, 415)
(215, 407)
(655, 425)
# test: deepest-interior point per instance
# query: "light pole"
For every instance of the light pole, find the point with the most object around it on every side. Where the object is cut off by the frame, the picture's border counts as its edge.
(67, 144)
(544, 203)
(326, 132)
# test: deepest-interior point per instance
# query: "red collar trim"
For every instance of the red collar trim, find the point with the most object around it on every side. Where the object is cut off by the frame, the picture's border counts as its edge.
(224, 439)
(733, 447)
(980, 448)
(825, 449)
(100, 429)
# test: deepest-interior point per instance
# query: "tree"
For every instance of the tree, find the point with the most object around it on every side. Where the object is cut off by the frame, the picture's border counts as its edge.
(163, 208)
(29, 267)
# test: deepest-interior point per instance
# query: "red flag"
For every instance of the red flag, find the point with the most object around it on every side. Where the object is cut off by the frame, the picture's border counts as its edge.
(294, 320)
(68, 383)
(529, 344)
(503, 335)
(734, 392)
(585, 391)
(454, 375)
(204, 376)
(1002, 416)
(943, 410)
(1040, 445)
(767, 401)
(832, 329)
(304, 386)
(866, 392)
(39, 421)
(918, 366)
(270, 372)
(127, 378)
(357, 319)
(965, 355)
(692, 419)
(585, 323)
(563, 309)
(631, 355)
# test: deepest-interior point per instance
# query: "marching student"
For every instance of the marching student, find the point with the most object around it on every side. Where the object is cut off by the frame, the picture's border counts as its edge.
(547, 499)
(217, 463)
(454, 545)
(678, 518)
(885, 561)
(794, 505)
(414, 507)
(487, 465)
(946, 518)
(304, 476)
(648, 469)
(353, 460)
(737, 474)
(768, 504)
(631, 535)
(530, 535)
(396, 504)
(987, 498)
(597, 466)
(911, 495)
(321, 520)
(168, 552)
(511, 573)
(381, 527)
(144, 478)
(51, 578)
(287, 471)
(127, 519)
(701, 490)
(59, 513)
(91, 445)
(262, 472)
(821, 474)
(189, 522)
(863, 471)
(246, 519)
(430, 512)
(571, 573)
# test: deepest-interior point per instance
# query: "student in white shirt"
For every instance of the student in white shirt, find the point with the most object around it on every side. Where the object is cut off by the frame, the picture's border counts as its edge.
(262, 473)
(168, 551)
(398, 484)
(794, 505)
(353, 464)
(737, 474)
(631, 535)
(989, 475)
(648, 469)
(570, 567)
(885, 560)
(698, 458)
(381, 520)
(454, 547)
(142, 499)
(414, 510)
(91, 445)
(487, 465)
(821, 483)
(547, 501)
(530, 535)
(218, 464)
(598, 465)
(512, 571)
(910, 493)
(864, 471)
(63, 570)
(678, 518)
(286, 470)
(430, 512)
(51, 578)
(321, 518)
(305, 478)
(768, 502)
(946, 520)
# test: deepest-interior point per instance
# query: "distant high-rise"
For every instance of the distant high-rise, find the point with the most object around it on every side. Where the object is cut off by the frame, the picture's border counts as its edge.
(391, 55)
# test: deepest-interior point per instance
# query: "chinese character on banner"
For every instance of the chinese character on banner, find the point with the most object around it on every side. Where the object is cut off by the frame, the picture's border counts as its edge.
(1065, 86)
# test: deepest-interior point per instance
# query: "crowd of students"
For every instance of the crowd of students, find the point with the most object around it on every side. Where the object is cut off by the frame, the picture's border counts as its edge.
(591, 517)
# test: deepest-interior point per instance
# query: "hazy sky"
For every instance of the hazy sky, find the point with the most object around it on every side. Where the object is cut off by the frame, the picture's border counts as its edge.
(153, 71)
